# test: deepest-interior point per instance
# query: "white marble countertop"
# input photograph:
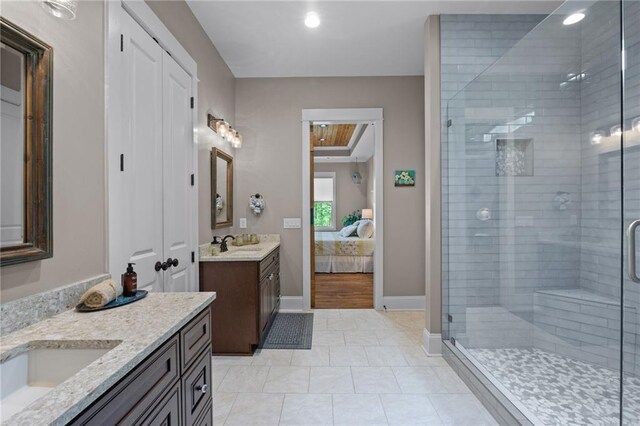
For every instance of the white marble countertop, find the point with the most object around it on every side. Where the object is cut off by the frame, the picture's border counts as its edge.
(133, 331)
(248, 253)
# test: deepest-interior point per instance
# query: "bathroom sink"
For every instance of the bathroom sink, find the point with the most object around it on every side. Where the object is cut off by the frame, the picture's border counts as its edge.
(28, 376)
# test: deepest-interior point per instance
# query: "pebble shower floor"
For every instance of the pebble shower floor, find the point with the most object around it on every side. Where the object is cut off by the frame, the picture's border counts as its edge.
(562, 391)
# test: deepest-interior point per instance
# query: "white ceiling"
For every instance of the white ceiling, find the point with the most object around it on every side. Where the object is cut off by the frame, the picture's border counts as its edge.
(355, 38)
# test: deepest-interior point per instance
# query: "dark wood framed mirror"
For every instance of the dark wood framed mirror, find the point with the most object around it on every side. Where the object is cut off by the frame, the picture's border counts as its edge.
(221, 189)
(26, 74)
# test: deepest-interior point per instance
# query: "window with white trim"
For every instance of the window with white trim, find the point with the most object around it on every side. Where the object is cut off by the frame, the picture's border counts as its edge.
(324, 201)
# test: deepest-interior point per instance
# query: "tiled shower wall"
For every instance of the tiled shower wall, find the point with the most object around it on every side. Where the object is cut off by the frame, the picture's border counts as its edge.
(469, 44)
(560, 228)
(498, 261)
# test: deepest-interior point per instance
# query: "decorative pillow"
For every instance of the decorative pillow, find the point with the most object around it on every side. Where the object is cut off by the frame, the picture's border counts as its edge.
(365, 229)
(348, 231)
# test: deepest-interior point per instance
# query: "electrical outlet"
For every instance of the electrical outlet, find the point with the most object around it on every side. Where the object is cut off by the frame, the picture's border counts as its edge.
(243, 223)
(292, 223)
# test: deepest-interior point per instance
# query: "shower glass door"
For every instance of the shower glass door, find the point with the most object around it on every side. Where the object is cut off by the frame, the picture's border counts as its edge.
(536, 154)
(631, 208)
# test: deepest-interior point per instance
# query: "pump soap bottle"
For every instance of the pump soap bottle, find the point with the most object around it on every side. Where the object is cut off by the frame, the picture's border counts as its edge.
(129, 282)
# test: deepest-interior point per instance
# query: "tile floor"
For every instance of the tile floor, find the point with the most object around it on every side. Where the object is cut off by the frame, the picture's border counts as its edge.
(365, 368)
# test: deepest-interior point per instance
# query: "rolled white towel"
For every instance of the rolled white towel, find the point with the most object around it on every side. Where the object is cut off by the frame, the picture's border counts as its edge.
(100, 294)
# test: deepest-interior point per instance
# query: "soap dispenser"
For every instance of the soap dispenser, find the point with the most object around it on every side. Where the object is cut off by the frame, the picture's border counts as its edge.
(215, 246)
(129, 282)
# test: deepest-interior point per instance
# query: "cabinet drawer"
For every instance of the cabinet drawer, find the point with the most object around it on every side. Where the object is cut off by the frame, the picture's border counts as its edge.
(167, 412)
(207, 417)
(196, 388)
(130, 400)
(266, 264)
(194, 337)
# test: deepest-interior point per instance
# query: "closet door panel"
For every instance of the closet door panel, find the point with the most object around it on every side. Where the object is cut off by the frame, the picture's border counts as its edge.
(177, 148)
(141, 208)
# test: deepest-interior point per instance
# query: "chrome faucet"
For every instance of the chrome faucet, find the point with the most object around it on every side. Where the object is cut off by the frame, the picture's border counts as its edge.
(223, 244)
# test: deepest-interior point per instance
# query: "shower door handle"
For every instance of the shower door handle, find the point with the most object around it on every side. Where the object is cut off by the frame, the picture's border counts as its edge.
(631, 251)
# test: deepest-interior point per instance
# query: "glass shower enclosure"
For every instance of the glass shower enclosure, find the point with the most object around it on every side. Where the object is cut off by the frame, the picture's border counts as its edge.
(541, 202)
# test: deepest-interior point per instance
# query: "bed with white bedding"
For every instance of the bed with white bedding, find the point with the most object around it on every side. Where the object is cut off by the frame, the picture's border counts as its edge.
(337, 254)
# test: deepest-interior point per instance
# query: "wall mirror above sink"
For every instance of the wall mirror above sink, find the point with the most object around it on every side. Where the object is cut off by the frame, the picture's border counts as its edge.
(26, 74)
(221, 189)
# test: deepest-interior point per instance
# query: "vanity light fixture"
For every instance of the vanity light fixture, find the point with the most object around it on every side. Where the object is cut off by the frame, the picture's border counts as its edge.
(574, 18)
(312, 20)
(616, 131)
(596, 137)
(635, 124)
(63, 9)
(238, 141)
(225, 131)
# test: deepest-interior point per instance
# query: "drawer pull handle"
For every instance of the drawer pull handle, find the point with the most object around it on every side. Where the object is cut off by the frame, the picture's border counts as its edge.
(202, 389)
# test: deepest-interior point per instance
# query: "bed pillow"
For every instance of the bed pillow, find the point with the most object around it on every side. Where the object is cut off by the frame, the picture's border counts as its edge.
(348, 231)
(365, 229)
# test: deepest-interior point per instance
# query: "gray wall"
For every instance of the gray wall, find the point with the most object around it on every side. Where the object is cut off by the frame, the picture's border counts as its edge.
(349, 196)
(268, 112)
(216, 95)
(79, 207)
(371, 181)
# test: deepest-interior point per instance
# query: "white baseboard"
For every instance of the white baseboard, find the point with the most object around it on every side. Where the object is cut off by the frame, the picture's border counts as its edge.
(404, 303)
(291, 303)
(432, 343)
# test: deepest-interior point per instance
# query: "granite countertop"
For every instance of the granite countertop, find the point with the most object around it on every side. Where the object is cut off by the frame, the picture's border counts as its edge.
(248, 253)
(133, 331)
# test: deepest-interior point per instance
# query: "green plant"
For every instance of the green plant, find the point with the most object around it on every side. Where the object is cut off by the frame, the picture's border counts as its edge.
(351, 218)
(322, 214)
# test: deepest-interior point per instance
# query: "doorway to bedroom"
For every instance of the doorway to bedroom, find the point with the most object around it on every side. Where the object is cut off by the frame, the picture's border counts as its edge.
(344, 201)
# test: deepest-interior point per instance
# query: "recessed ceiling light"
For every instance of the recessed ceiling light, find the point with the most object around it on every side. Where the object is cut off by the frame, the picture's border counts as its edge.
(574, 18)
(312, 20)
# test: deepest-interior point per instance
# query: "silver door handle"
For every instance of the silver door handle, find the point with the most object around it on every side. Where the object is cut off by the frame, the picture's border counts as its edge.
(631, 251)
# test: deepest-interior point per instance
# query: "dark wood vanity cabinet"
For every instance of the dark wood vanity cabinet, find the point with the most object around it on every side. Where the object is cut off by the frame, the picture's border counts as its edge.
(172, 386)
(248, 298)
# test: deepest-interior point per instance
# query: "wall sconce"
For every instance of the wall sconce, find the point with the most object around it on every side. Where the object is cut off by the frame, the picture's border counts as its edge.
(616, 131)
(225, 131)
(596, 137)
(256, 204)
(63, 9)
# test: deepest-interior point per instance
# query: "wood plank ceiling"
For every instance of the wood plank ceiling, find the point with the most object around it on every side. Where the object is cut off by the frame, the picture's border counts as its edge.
(337, 135)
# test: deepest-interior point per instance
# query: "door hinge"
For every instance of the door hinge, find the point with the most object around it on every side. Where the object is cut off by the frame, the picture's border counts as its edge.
(122, 162)
(449, 123)
(449, 318)
(193, 257)
(122, 42)
(192, 102)
(453, 341)
(193, 180)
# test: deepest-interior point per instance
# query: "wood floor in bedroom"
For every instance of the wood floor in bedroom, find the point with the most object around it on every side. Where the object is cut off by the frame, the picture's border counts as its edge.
(344, 291)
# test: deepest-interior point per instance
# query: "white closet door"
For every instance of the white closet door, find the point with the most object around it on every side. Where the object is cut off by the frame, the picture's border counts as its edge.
(141, 209)
(177, 148)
